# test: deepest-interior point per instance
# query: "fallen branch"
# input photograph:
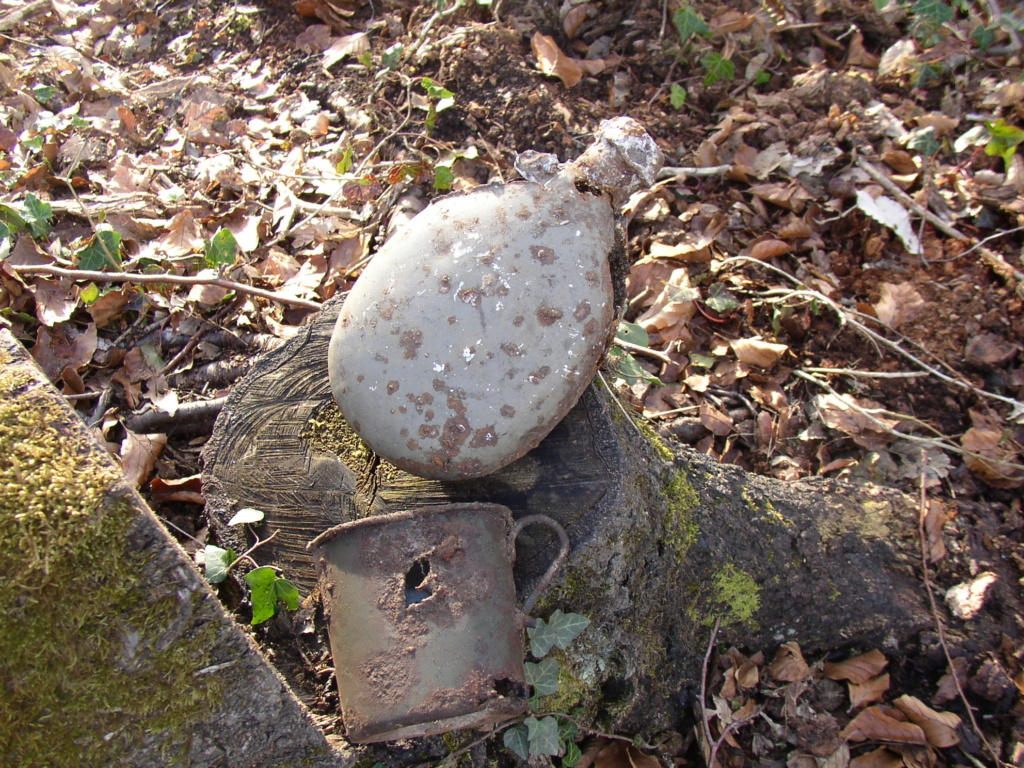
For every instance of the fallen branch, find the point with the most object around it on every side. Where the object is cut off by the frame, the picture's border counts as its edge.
(162, 279)
(161, 421)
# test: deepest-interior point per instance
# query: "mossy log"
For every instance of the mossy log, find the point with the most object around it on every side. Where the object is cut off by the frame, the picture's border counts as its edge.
(664, 540)
(114, 651)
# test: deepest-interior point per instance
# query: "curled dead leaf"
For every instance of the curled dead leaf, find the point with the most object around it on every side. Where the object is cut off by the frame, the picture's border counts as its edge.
(575, 18)
(873, 724)
(138, 455)
(553, 62)
(858, 669)
(788, 665)
(939, 727)
(769, 249)
(870, 691)
(898, 304)
(993, 458)
(879, 758)
(754, 351)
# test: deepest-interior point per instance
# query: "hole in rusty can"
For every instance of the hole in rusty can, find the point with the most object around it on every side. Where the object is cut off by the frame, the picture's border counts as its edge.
(416, 590)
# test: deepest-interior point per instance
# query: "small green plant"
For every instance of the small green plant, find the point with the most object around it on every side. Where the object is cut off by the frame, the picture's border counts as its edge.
(554, 734)
(268, 591)
(624, 366)
(676, 96)
(717, 68)
(101, 251)
(1004, 141)
(221, 249)
(438, 99)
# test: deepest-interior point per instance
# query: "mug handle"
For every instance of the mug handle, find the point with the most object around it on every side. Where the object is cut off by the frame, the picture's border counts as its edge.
(556, 565)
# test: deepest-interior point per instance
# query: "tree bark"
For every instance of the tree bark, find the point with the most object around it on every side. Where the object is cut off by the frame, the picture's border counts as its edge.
(664, 540)
(114, 651)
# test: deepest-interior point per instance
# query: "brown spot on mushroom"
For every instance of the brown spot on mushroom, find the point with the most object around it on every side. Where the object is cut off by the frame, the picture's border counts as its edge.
(523, 213)
(445, 284)
(404, 431)
(380, 358)
(508, 411)
(456, 432)
(429, 431)
(541, 373)
(403, 409)
(411, 341)
(591, 277)
(392, 387)
(439, 385)
(413, 445)
(359, 378)
(582, 311)
(548, 315)
(518, 320)
(428, 415)
(484, 436)
(591, 327)
(512, 350)
(452, 320)
(472, 296)
(387, 312)
(543, 254)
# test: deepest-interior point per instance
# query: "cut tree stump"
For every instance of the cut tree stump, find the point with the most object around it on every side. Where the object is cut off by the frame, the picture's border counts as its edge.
(664, 540)
(114, 651)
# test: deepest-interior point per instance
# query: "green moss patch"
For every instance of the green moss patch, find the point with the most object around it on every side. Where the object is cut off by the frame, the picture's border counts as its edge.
(681, 529)
(738, 595)
(89, 661)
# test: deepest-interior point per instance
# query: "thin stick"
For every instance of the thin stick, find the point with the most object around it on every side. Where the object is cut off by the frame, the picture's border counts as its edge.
(166, 279)
(704, 689)
(868, 374)
(637, 349)
(922, 537)
(246, 555)
(677, 173)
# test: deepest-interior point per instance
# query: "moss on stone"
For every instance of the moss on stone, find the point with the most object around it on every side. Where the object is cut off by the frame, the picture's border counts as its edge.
(90, 662)
(681, 528)
(738, 594)
(328, 432)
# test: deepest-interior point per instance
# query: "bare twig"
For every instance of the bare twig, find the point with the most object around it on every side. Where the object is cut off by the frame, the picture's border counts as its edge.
(923, 539)
(868, 374)
(247, 555)
(675, 173)
(715, 744)
(163, 279)
(198, 411)
(638, 349)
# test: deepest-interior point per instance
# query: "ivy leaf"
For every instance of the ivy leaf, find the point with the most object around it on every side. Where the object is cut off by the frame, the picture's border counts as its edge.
(689, 23)
(345, 164)
(37, 215)
(925, 142)
(102, 252)
(937, 11)
(11, 218)
(568, 730)
(543, 676)
(676, 96)
(518, 740)
(89, 294)
(572, 755)
(560, 629)
(392, 56)
(633, 333)
(287, 593)
(720, 300)
(717, 67)
(221, 248)
(244, 516)
(264, 596)
(445, 98)
(543, 735)
(443, 177)
(216, 562)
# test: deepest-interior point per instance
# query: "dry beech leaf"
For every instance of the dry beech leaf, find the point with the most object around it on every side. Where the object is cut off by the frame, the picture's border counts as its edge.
(789, 666)
(619, 754)
(673, 307)
(138, 455)
(898, 304)
(934, 521)
(939, 727)
(870, 691)
(795, 228)
(857, 55)
(839, 412)
(178, 489)
(994, 457)
(575, 18)
(763, 354)
(714, 420)
(946, 687)
(879, 758)
(769, 249)
(858, 669)
(553, 62)
(874, 725)
(747, 675)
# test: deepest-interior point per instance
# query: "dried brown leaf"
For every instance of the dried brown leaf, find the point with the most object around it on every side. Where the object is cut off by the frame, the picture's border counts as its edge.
(769, 249)
(879, 758)
(575, 18)
(870, 691)
(138, 455)
(946, 687)
(619, 754)
(553, 61)
(714, 420)
(110, 305)
(795, 228)
(840, 412)
(857, 55)
(858, 669)
(994, 457)
(674, 304)
(934, 521)
(350, 45)
(898, 304)
(792, 197)
(875, 725)
(55, 301)
(939, 727)
(789, 666)
(178, 489)
(754, 351)
(63, 347)
(747, 675)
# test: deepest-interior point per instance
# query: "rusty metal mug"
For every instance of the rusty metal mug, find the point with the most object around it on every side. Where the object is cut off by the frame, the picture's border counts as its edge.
(425, 630)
